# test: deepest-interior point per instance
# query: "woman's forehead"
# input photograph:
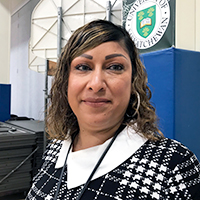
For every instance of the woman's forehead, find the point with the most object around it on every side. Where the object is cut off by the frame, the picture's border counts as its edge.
(81, 51)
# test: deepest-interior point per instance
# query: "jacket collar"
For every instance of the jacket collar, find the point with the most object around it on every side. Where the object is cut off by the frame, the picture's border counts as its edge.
(81, 163)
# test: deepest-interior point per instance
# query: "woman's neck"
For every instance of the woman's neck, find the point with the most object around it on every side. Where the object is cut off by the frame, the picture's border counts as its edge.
(88, 138)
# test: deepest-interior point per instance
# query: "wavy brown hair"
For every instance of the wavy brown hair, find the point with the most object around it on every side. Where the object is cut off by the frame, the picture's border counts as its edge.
(61, 121)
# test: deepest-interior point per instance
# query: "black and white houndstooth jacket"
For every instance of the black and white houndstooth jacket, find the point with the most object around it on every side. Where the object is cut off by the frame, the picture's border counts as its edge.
(162, 170)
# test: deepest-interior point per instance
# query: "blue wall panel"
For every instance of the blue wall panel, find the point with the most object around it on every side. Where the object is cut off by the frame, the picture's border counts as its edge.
(5, 92)
(175, 78)
(160, 70)
(187, 99)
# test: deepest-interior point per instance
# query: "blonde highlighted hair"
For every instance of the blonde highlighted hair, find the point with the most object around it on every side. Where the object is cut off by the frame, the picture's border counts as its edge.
(61, 121)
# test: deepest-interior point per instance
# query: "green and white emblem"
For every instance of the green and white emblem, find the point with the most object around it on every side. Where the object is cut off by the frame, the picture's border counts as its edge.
(146, 20)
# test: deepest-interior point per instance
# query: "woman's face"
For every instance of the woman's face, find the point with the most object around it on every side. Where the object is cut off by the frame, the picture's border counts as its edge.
(99, 86)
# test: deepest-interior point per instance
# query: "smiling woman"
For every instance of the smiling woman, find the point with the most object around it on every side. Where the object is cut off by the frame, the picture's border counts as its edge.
(99, 90)
(106, 142)
(77, 58)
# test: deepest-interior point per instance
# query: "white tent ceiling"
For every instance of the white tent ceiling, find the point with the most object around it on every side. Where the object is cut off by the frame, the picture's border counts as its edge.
(75, 13)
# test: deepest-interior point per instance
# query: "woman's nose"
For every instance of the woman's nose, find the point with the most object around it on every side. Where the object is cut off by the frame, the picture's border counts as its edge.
(97, 81)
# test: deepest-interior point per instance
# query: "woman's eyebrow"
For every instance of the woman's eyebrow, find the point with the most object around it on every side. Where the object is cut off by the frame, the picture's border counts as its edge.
(86, 56)
(114, 55)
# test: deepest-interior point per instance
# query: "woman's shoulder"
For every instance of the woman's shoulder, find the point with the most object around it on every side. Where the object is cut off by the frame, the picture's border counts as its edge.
(170, 146)
(52, 150)
(169, 152)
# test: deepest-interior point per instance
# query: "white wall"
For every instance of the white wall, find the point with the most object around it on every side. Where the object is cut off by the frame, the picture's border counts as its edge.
(187, 24)
(5, 20)
(197, 25)
(16, 5)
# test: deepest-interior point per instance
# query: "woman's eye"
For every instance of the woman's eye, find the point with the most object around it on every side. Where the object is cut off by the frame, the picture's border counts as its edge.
(83, 67)
(116, 67)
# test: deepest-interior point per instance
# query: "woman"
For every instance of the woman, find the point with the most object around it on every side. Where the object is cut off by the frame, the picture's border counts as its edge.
(107, 144)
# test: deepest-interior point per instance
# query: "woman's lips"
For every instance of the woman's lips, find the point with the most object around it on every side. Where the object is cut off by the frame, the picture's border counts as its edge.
(96, 102)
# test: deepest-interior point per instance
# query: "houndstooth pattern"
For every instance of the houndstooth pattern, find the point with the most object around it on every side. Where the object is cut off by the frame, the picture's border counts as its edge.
(162, 170)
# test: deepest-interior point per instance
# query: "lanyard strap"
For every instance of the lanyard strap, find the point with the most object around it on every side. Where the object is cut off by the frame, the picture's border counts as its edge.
(63, 168)
(95, 168)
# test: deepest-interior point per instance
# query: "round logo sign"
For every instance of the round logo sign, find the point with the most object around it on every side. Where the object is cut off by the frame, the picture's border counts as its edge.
(147, 22)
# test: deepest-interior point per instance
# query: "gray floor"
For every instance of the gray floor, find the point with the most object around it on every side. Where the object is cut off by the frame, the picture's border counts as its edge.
(19, 196)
